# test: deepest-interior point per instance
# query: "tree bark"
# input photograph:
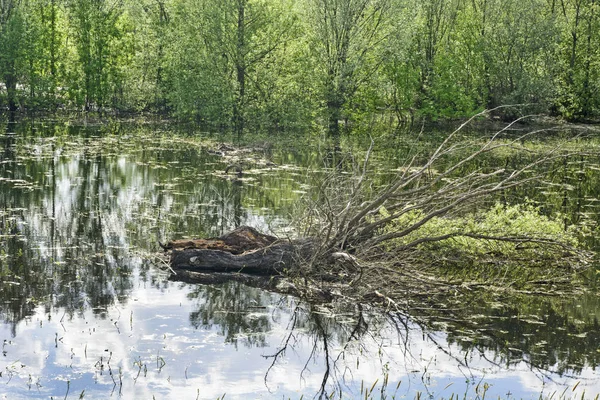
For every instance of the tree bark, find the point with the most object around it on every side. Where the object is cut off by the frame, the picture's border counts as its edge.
(243, 250)
(11, 89)
(240, 66)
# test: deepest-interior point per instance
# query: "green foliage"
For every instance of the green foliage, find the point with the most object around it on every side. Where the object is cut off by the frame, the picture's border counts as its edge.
(145, 26)
(281, 64)
(12, 57)
(96, 80)
(513, 243)
(346, 40)
(447, 97)
(577, 81)
(232, 62)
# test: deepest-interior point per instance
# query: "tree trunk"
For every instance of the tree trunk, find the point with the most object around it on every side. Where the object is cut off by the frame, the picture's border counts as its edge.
(11, 91)
(334, 104)
(334, 113)
(244, 250)
(240, 68)
(272, 260)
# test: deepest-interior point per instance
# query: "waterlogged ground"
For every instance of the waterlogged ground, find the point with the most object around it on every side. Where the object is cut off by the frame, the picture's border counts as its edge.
(87, 312)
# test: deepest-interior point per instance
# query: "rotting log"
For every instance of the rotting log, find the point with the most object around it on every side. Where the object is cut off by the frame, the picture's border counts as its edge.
(244, 250)
(238, 241)
(271, 260)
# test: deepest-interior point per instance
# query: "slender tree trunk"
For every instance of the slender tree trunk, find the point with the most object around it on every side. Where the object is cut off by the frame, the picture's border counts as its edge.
(88, 90)
(240, 68)
(158, 97)
(334, 118)
(574, 40)
(11, 89)
(488, 97)
(333, 105)
(99, 87)
(163, 19)
(87, 66)
(53, 41)
(586, 90)
(432, 26)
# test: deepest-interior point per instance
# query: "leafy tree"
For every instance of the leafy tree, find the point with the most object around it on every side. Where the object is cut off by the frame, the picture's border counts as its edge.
(41, 52)
(12, 35)
(95, 76)
(346, 36)
(578, 84)
(437, 18)
(147, 24)
(217, 50)
(516, 42)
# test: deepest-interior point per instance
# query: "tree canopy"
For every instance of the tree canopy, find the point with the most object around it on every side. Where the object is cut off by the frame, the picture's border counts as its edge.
(281, 64)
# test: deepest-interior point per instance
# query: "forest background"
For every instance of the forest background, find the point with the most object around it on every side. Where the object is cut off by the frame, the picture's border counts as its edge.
(283, 64)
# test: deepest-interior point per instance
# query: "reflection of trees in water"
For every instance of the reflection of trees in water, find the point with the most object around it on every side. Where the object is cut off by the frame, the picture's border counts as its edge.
(59, 251)
(247, 315)
(237, 311)
(332, 333)
(69, 223)
(547, 335)
(551, 335)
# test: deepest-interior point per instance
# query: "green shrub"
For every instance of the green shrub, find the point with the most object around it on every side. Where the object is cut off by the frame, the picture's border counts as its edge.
(513, 243)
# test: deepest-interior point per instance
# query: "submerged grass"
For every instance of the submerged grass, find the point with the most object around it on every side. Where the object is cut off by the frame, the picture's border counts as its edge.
(386, 390)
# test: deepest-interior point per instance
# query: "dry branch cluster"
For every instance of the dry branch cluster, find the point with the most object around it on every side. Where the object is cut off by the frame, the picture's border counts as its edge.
(383, 233)
(435, 227)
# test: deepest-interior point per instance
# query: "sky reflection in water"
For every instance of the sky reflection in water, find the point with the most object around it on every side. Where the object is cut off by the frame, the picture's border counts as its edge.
(148, 346)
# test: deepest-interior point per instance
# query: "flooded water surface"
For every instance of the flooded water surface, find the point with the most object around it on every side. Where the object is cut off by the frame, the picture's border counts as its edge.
(88, 312)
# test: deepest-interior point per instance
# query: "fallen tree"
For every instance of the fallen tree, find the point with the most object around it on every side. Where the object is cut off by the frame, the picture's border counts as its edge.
(247, 256)
(383, 243)
(443, 196)
(243, 250)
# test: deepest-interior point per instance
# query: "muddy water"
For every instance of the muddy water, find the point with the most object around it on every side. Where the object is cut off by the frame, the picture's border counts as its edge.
(87, 312)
